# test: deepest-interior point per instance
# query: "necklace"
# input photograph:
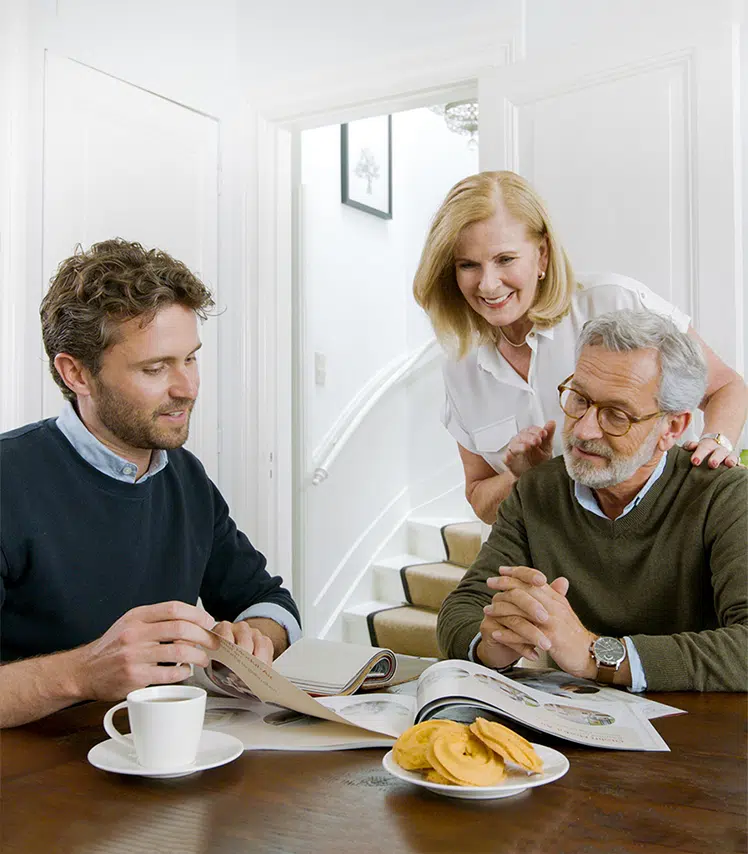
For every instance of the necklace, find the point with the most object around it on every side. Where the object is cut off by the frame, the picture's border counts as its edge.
(511, 343)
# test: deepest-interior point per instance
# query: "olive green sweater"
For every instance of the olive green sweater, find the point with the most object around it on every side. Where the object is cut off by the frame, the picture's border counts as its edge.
(672, 573)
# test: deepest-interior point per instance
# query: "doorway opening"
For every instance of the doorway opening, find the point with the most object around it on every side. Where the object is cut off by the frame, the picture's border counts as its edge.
(371, 428)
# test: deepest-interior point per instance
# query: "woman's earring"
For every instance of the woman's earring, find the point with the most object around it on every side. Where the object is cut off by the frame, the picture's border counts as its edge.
(541, 275)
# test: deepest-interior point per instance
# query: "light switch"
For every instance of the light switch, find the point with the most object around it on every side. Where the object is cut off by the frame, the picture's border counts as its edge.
(320, 369)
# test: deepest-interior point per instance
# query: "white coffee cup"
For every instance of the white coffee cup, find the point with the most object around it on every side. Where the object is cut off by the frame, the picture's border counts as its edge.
(166, 722)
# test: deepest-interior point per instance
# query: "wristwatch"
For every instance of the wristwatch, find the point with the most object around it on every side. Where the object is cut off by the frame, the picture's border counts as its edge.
(720, 439)
(609, 654)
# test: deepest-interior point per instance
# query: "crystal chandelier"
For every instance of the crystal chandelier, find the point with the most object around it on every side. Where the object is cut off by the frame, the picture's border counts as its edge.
(461, 117)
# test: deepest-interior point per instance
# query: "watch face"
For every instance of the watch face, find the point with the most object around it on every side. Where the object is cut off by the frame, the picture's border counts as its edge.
(609, 650)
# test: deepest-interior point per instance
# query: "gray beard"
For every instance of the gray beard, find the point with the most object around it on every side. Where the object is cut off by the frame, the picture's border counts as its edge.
(619, 468)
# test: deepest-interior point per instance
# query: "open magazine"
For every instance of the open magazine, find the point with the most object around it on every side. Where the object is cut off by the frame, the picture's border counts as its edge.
(325, 668)
(456, 690)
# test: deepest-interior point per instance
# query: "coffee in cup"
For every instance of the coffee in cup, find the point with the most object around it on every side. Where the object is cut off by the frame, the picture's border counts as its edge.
(166, 722)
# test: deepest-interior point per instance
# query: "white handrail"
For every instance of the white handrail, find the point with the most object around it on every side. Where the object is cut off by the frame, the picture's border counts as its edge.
(364, 402)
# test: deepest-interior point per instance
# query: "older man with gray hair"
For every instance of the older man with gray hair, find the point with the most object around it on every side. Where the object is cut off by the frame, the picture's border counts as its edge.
(621, 559)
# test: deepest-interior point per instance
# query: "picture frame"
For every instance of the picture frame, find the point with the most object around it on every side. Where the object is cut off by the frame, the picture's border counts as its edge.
(366, 165)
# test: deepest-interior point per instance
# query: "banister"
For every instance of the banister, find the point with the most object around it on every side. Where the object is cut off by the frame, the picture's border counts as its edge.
(356, 411)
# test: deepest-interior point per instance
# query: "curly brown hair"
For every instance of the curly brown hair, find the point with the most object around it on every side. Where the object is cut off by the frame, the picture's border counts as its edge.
(93, 293)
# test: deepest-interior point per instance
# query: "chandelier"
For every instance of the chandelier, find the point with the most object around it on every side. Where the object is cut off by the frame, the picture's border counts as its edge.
(461, 117)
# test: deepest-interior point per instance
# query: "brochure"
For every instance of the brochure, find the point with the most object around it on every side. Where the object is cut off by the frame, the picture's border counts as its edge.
(456, 690)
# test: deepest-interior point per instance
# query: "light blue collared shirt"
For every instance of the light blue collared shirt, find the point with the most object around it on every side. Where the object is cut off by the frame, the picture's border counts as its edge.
(586, 498)
(97, 454)
(107, 462)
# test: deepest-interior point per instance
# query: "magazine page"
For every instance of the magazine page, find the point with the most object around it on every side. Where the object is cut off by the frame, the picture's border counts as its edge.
(448, 687)
(386, 713)
(254, 679)
(261, 726)
(331, 667)
(560, 684)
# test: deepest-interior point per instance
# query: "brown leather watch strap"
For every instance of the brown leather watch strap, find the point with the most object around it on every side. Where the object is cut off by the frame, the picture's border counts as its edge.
(606, 673)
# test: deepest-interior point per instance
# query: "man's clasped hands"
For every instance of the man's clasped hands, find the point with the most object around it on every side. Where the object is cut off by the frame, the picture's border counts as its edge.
(527, 614)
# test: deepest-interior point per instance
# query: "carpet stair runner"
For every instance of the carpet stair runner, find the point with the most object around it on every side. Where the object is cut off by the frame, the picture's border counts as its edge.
(422, 584)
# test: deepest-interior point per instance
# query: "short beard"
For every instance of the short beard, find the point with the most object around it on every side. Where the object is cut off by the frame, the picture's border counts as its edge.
(136, 428)
(619, 468)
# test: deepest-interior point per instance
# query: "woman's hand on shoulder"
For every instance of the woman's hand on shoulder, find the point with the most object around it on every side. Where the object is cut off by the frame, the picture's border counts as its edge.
(529, 448)
(709, 449)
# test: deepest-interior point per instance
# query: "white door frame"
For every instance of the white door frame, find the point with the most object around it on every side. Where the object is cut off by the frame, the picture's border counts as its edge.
(281, 450)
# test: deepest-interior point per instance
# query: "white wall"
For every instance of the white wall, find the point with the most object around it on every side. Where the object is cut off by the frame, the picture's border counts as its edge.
(358, 269)
(553, 26)
(357, 278)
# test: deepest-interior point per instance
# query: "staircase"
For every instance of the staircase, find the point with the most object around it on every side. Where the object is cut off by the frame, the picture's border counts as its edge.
(410, 588)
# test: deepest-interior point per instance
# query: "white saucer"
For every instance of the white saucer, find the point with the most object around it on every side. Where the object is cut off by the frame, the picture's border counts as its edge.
(216, 748)
(555, 765)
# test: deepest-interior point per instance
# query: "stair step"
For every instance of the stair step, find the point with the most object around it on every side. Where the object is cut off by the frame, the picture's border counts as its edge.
(425, 537)
(355, 625)
(427, 585)
(388, 584)
(408, 630)
(462, 541)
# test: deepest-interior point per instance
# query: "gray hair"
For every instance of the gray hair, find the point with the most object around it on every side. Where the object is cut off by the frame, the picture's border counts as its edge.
(683, 372)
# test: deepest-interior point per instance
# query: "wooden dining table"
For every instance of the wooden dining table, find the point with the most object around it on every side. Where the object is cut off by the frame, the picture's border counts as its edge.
(691, 799)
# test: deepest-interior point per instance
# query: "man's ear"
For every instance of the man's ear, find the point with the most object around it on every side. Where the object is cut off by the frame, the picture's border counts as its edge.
(675, 427)
(74, 374)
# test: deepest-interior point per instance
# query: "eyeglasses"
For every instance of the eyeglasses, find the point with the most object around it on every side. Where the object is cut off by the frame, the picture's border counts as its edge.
(612, 421)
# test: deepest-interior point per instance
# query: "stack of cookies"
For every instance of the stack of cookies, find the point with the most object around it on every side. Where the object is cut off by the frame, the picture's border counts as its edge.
(460, 755)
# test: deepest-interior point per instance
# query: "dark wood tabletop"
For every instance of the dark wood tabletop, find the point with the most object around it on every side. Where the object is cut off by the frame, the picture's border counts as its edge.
(692, 799)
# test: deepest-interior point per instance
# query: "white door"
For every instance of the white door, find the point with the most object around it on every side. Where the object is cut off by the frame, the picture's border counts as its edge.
(120, 161)
(634, 150)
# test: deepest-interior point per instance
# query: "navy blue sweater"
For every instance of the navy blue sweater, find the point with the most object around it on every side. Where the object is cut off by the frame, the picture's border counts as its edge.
(78, 549)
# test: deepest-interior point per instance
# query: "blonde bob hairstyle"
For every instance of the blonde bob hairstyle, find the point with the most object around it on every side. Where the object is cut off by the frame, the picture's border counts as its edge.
(475, 199)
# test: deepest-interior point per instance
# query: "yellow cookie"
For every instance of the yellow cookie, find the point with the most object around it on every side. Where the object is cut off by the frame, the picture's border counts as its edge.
(462, 757)
(508, 744)
(409, 751)
(433, 776)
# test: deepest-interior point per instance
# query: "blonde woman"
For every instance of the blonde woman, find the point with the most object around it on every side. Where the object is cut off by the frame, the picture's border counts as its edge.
(502, 296)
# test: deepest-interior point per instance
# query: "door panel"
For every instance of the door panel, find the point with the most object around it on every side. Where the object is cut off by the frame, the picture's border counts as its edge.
(122, 162)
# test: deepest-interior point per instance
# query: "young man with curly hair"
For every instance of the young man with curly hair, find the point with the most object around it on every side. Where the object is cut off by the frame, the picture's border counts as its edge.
(109, 529)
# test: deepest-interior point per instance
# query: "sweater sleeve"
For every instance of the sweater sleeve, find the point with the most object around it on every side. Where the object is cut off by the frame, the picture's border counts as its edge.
(462, 611)
(715, 659)
(236, 576)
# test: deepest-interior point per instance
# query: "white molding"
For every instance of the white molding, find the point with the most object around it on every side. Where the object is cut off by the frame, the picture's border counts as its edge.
(419, 79)
(299, 410)
(236, 422)
(397, 371)
(265, 344)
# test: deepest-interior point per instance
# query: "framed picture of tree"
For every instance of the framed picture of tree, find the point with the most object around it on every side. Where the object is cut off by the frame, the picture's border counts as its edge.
(366, 165)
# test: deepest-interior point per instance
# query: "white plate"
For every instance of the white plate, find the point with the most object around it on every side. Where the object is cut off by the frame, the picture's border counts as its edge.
(555, 765)
(215, 748)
